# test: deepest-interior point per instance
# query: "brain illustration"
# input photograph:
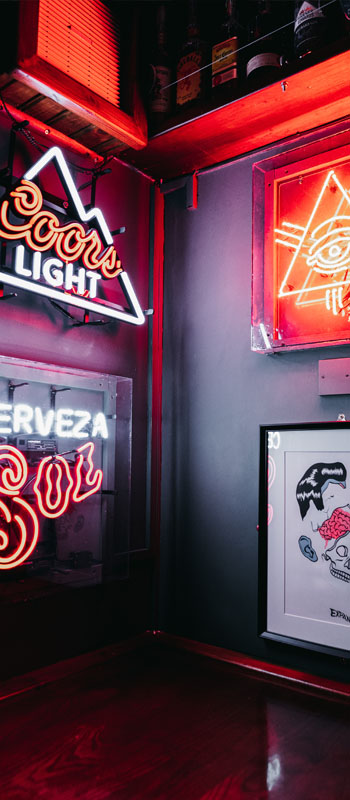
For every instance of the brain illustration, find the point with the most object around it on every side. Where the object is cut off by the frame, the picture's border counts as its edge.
(336, 526)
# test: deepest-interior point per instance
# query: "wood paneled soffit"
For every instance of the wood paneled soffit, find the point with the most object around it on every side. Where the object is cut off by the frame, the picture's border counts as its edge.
(69, 99)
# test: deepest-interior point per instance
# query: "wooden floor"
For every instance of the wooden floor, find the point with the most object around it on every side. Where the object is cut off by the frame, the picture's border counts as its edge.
(161, 724)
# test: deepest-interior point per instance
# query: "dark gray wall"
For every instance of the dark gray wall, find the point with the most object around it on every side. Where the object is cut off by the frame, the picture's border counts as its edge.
(216, 393)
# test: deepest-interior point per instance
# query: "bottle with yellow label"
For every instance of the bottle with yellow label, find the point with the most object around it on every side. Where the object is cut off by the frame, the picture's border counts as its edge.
(224, 55)
(191, 78)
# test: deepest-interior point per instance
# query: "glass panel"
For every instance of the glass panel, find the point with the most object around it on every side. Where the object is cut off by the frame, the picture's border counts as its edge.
(301, 251)
(65, 456)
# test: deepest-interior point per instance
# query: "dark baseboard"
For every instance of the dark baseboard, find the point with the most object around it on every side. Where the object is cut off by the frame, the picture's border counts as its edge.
(263, 669)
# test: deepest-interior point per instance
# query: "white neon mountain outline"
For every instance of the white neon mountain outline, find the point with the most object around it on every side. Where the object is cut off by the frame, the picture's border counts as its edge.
(299, 243)
(135, 316)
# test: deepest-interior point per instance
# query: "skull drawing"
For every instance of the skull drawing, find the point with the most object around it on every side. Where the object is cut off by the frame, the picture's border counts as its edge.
(338, 556)
(324, 503)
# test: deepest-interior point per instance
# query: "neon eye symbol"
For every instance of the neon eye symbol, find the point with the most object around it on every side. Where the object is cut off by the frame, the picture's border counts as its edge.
(330, 252)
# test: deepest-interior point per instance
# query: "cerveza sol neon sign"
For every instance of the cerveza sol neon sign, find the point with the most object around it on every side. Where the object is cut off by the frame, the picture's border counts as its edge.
(56, 485)
(84, 257)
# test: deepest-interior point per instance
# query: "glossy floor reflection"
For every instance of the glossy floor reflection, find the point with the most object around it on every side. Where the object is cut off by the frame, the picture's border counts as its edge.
(161, 724)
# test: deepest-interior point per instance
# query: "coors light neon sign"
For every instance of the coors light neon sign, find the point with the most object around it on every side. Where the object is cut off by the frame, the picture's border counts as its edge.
(68, 262)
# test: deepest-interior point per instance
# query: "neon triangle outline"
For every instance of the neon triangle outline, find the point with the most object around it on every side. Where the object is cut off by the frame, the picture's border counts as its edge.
(282, 293)
(136, 317)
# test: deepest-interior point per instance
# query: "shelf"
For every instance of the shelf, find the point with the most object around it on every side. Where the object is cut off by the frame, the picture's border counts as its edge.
(313, 97)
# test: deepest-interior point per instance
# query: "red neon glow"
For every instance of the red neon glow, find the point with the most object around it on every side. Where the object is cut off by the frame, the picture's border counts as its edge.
(74, 290)
(42, 231)
(326, 254)
(52, 498)
(92, 480)
(53, 489)
(312, 255)
(19, 549)
(271, 471)
(81, 40)
(14, 475)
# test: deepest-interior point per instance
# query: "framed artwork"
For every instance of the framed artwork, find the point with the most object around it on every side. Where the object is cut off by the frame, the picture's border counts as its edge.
(304, 536)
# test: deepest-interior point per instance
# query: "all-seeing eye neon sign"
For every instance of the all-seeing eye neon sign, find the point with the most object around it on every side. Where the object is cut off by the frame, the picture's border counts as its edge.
(72, 262)
(301, 258)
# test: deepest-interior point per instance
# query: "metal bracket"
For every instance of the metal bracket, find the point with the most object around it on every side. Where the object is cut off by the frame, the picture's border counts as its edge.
(95, 175)
(334, 376)
(88, 321)
(53, 392)
(78, 323)
(187, 182)
(6, 296)
(6, 173)
(12, 388)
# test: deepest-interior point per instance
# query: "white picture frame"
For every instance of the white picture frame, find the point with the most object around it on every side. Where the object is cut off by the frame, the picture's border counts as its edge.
(304, 536)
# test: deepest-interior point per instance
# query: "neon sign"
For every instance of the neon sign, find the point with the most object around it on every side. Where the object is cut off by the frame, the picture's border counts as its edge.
(56, 486)
(301, 251)
(85, 260)
(92, 479)
(65, 460)
(65, 422)
(325, 252)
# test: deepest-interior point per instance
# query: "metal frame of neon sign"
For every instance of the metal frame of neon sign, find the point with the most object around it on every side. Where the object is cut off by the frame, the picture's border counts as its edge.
(70, 260)
(301, 248)
(65, 443)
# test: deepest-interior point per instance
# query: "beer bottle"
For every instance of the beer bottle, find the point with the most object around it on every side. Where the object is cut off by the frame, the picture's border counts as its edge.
(224, 54)
(345, 4)
(190, 76)
(309, 27)
(264, 60)
(161, 73)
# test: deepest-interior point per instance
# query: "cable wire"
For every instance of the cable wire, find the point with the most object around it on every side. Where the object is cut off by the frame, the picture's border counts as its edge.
(94, 171)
